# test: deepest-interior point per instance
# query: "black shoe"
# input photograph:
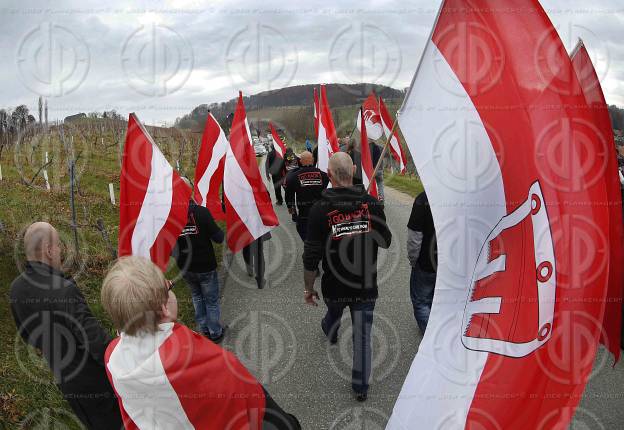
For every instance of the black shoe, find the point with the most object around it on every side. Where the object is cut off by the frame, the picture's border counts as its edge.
(261, 284)
(250, 271)
(333, 340)
(361, 397)
(279, 203)
(218, 339)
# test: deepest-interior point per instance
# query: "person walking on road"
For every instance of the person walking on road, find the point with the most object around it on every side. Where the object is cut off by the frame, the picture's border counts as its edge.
(197, 262)
(423, 257)
(345, 229)
(276, 169)
(303, 188)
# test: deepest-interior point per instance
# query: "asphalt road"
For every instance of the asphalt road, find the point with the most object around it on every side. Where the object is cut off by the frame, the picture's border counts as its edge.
(280, 341)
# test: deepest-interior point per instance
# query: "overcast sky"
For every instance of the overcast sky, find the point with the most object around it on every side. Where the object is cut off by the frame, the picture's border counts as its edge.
(162, 58)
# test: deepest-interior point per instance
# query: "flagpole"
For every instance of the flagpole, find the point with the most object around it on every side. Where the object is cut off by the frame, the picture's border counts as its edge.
(383, 152)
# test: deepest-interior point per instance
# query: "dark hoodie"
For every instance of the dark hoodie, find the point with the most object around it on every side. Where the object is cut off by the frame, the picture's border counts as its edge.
(345, 229)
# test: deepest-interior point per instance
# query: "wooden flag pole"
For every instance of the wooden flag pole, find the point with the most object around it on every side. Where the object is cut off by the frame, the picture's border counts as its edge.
(383, 152)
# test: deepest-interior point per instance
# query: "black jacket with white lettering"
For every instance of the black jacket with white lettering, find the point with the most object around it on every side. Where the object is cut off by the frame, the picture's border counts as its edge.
(304, 187)
(345, 229)
(193, 251)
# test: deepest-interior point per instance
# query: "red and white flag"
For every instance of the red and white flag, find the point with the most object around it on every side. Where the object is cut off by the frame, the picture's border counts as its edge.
(372, 119)
(590, 84)
(367, 161)
(279, 146)
(327, 139)
(502, 140)
(178, 379)
(317, 110)
(395, 146)
(248, 209)
(153, 200)
(209, 169)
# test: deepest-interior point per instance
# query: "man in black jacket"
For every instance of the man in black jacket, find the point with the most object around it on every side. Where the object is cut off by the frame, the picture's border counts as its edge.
(51, 314)
(197, 262)
(345, 229)
(276, 168)
(303, 188)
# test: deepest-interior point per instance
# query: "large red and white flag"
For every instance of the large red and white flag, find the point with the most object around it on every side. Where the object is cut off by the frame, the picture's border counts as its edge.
(178, 379)
(368, 178)
(317, 110)
(153, 200)
(248, 209)
(372, 119)
(209, 169)
(279, 146)
(504, 145)
(327, 139)
(590, 84)
(395, 146)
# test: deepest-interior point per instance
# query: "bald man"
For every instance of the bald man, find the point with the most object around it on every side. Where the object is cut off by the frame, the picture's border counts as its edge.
(51, 314)
(303, 188)
(345, 229)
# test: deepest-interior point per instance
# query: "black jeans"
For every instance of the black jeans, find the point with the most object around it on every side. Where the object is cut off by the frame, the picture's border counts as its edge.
(362, 322)
(277, 186)
(253, 254)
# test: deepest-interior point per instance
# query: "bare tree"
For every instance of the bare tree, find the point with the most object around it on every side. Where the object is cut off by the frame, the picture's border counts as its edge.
(40, 110)
(45, 114)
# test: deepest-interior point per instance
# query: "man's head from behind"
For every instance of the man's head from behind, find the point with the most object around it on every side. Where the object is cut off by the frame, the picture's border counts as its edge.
(340, 170)
(136, 295)
(306, 158)
(43, 244)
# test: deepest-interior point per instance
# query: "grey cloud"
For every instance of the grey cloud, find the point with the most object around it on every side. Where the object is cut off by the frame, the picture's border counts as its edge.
(209, 27)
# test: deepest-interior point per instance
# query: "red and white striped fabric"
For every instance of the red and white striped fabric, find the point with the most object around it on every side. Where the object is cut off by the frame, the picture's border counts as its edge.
(248, 209)
(372, 119)
(590, 84)
(317, 111)
(367, 161)
(395, 147)
(327, 139)
(178, 379)
(503, 347)
(153, 200)
(209, 169)
(279, 146)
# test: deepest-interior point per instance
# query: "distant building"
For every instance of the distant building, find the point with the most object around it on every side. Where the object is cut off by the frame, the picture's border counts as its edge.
(76, 117)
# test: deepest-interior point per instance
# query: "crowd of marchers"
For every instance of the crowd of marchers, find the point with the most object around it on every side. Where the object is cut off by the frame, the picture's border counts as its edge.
(158, 373)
